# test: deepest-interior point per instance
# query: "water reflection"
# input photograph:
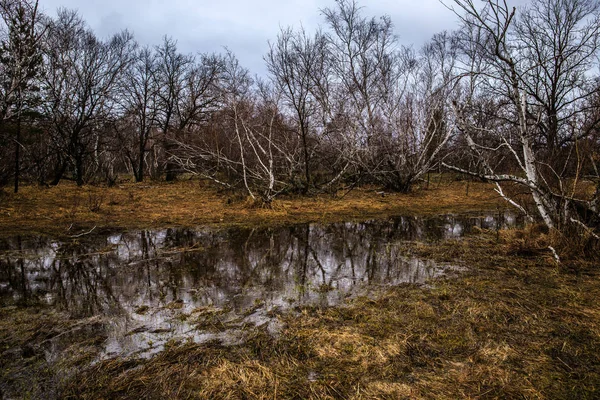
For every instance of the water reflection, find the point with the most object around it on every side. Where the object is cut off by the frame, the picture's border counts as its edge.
(153, 286)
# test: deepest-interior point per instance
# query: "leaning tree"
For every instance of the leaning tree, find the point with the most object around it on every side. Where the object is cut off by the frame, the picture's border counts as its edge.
(537, 66)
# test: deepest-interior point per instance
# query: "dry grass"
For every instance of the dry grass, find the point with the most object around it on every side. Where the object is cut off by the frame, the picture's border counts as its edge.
(515, 326)
(28, 339)
(67, 209)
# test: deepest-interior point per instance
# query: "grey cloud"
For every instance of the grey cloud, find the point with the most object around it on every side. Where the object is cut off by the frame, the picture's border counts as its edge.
(244, 27)
(111, 23)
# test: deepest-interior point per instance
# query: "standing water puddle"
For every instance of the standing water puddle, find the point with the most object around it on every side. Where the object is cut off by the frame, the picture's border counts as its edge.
(152, 287)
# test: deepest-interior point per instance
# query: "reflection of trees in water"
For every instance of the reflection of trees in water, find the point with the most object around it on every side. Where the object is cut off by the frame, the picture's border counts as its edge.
(70, 273)
(78, 281)
(110, 274)
(13, 272)
(355, 252)
(17, 283)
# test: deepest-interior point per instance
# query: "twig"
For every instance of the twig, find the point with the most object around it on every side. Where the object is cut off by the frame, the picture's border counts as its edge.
(556, 257)
(587, 228)
(349, 190)
(83, 234)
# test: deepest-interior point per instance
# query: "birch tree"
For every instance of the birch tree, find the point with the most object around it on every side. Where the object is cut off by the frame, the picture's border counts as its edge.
(383, 113)
(501, 63)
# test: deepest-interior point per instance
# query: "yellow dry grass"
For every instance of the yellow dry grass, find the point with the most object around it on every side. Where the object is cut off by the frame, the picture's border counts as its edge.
(67, 209)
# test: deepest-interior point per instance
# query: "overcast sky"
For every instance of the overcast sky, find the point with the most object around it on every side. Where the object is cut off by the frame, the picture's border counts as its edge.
(245, 27)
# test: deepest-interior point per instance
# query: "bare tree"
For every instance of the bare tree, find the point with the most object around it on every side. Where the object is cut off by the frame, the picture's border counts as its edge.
(172, 70)
(201, 98)
(254, 150)
(81, 75)
(556, 46)
(296, 63)
(388, 108)
(260, 143)
(140, 98)
(20, 61)
(417, 114)
(501, 50)
(201, 94)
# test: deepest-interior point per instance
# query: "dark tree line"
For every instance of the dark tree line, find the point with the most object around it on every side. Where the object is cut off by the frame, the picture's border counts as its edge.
(512, 95)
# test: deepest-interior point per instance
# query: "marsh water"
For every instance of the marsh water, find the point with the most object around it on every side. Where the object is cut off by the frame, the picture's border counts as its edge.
(147, 288)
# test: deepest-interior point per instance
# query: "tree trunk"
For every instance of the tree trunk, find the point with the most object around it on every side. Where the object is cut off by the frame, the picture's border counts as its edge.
(304, 129)
(170, 167)
(79, 169)
(18, 154)
(139, 177)
(59, 171)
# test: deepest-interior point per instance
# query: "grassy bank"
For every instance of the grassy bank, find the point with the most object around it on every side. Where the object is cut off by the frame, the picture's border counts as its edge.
(69, 210)
(515, 325)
